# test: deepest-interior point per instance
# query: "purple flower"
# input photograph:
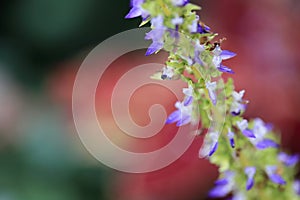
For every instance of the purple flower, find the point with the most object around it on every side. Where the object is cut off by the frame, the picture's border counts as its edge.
(202, 28)
(257, 134)
(260, 130)
(156, 35)
(243, 126)
(211, 87)
(266, 143)
(223, 68)
(287, 159)
(223, 186)
(237, 105)
(230, 136)
(296, 187)
(180, 3)
(219, 56)
(225, 54)
(183, 114)
(210, 144)
(137, 10)
(250, 172)
(273, 176)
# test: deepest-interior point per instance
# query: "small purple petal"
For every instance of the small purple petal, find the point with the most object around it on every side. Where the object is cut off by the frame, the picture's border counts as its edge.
(219, 191)
(249, 184)
(249, 133)
(222, 181)
(203, 29)
(230, 135)
(188, 100)
(232, 144)
(180, 3)
(185, 2)
(155, 34)
(213, 150)
(227, 54)
(287, 159)
(236, 113)
(292, 160)
(154, 47)
(174, 33)
(173, 117)
(266, 143)
(136, 2)
(275, 178)
(269, 126)
(184, 120)
(134, 12)
(250, 172)
(145, 16)
(223, 68)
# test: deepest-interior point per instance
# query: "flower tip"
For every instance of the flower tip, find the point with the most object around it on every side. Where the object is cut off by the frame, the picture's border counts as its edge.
(188, 101)
(214, 101)
(232, 144)
(248, 133)
(225, 54)
(213, 150)
(173, 117)
(223, 68)
(278, 179)
(267, 143)
(183, 121)
(168, 121)
(149, 52)
(249, 185)
(128, 16)
(273, 176)
(234, 113)
(134, 12)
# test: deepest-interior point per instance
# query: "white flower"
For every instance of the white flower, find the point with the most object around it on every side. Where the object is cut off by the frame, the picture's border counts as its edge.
(242, 125)
(211, 87)
(177, 20)
(194, 26)
(167, 73)
(237, 105)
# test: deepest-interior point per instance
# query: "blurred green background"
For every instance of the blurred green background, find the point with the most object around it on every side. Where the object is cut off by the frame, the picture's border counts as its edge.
(38, 160)
(37, 34)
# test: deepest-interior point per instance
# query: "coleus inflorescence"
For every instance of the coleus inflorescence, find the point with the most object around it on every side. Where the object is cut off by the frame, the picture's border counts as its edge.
(248, 154)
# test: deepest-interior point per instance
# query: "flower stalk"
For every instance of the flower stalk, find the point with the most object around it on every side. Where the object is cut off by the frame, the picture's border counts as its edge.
(247, 151)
